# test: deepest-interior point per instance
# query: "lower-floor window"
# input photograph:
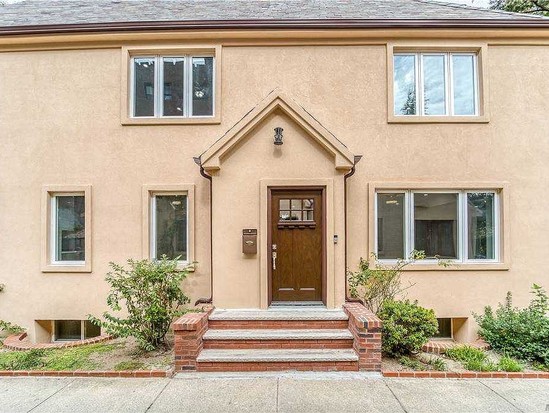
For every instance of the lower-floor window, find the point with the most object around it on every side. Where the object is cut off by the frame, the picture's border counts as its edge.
(71, 330)
(450, 225)
(169, 229)
(444, 328)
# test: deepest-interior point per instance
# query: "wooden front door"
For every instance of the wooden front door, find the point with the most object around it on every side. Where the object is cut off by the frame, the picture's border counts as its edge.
(296, 244)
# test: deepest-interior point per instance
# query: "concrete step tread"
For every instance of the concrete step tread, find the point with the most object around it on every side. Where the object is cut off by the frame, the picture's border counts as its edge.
(276, 356)
(275, 314)
(279, 334)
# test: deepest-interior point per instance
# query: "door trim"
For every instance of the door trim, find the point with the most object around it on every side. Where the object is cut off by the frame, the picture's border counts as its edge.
(267, 247)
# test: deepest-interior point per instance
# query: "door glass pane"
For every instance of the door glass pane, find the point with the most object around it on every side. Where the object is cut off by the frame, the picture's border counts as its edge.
(202, 98)
(143, 87)
(404, 84)
(171, 226)
(70, 228)
(390, 226)
(436, 224)
(296, 204)
(68, 330)
(284, 215)
(463, 68)
(434, 101)
(173, 86)
(296, 215)
(284, 204)
(480, 226)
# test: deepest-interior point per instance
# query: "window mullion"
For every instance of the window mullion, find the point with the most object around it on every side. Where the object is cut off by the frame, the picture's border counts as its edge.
(448, 78)
(152, 230)
(463, 226)
(188, 85)
(410, 223)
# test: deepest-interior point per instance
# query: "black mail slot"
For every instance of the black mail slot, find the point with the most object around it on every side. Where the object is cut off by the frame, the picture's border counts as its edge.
(249, 241)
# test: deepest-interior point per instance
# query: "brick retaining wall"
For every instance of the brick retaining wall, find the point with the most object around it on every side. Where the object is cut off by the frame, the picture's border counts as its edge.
(366, 329)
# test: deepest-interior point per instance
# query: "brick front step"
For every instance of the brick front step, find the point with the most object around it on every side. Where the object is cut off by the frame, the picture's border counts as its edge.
(277, 360)
(277, 324)
(278, 338)
(289, 319)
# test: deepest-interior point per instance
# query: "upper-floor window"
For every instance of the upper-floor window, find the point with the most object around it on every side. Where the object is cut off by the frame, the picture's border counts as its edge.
(172, 86)
(435, 84)
(455, 225)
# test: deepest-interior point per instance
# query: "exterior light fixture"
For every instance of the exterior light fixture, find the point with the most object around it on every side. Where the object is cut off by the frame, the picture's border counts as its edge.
(278, 136)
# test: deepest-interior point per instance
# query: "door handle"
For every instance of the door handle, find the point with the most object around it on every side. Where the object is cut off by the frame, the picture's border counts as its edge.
(274, 260)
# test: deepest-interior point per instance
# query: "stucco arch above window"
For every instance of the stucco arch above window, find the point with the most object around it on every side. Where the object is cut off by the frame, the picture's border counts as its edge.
(212, 159)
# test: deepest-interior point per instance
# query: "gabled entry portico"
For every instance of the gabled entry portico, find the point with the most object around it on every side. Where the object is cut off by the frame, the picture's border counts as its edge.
(292, 194)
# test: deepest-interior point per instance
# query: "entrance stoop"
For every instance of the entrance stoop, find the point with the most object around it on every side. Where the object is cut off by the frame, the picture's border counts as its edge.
(279, 339)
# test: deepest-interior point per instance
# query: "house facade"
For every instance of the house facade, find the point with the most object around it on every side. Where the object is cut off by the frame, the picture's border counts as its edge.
(272, 144)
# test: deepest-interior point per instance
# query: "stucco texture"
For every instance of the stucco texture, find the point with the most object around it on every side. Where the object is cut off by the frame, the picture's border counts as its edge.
(61, 125)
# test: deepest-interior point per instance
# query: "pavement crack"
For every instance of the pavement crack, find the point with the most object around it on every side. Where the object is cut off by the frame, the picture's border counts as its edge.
(158, 395)
(395, 396)
(504, 398)
(277, 393)
(53, 394)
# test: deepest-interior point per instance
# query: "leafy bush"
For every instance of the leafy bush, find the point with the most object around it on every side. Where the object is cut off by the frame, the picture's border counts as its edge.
(152, 296)
(471, 358)
(509, 364)
(377, 283)
(406, 327)
(10, 327)
(520, 333)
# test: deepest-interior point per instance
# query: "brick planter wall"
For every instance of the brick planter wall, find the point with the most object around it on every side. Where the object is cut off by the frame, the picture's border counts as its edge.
(366, 329)
(188, 332)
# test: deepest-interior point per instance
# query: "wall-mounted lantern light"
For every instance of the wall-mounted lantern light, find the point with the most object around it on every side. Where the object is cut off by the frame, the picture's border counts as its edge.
(278, 136)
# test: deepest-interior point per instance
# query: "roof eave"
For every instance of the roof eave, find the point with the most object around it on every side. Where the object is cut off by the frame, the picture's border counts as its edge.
(515, 23)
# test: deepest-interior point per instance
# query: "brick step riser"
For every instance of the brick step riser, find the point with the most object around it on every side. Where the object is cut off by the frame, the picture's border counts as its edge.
(278, 344)
(277, 324)
(282, 366)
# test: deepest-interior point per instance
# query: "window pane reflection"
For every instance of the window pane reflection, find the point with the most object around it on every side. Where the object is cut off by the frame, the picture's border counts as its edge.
(405, 85)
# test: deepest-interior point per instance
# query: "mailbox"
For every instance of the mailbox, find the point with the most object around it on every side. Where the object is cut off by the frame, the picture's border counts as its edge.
(249, 241)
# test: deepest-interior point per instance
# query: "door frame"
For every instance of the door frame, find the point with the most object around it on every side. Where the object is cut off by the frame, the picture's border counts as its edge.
(267, 247)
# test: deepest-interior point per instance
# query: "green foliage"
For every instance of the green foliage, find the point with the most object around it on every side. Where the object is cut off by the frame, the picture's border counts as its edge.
(130, 365)
(74, 358)
(22, 360)
(406, 327)
(376, 283)
(152, 296)
(437, 363)
(519, 333)
(472, 358)
(411, 363)
(10, 327)
(540, 7)
(510, 364)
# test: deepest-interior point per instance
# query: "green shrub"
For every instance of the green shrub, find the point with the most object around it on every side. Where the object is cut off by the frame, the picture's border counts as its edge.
(10, 328)
(376, 283)
(510, 364)
(465, 353)
(152, 296)
(520, 333)
(438, 364)
(472, 358)
(411, 363)
(406, 327)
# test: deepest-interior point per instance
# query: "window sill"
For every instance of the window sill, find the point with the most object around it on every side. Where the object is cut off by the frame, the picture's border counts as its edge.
(172, 121)
(67, 268)
(438, 119)
(493, 266)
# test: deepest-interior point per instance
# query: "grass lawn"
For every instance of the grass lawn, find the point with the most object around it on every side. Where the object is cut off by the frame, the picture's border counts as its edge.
(119, 354)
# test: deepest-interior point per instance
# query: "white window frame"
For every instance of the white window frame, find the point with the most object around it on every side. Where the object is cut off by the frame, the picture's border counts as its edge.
(152, 228)
(158, 99)
(53, 230)
(448, 80)
(462, 217)
(82, 331)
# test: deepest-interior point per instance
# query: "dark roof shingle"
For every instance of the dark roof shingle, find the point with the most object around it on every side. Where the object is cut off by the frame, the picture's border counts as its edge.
(81, 12)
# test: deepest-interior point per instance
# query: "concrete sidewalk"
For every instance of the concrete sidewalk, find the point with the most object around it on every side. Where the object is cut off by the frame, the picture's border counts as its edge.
(290, 392)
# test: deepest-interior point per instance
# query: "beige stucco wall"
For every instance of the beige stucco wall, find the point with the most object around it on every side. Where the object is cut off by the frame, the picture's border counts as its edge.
(60, 125)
